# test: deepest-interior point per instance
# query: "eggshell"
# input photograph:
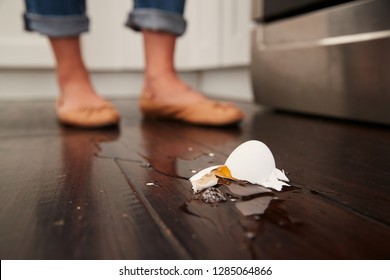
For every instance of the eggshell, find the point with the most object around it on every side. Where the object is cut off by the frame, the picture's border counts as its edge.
(199, 181)
(203, 172)
(273, 182)
(207, 181)
(252, 161)
(281, 175)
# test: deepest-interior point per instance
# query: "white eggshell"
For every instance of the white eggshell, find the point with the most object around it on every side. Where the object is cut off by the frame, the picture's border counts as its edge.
(252, 161)
(196, 181)
(273, 182)
(203, 172)
(281, 175)
(207, 181)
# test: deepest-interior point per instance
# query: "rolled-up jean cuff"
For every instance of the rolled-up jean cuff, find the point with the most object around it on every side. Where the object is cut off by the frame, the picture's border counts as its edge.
(156, 20)
(56, 26)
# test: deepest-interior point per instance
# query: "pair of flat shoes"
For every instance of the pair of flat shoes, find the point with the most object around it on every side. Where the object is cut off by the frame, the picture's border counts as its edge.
(206, 113)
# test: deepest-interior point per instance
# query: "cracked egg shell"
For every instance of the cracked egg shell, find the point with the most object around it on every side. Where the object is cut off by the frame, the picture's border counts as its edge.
(252, 161)
(203, 172)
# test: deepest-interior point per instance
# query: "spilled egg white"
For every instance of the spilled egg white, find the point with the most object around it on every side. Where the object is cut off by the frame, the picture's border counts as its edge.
(252, 161)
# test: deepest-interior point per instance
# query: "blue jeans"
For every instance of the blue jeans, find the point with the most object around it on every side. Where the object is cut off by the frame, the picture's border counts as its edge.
(64, 18)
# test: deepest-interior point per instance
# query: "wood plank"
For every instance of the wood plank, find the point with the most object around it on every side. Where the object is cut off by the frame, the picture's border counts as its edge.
(29, 117)
(344, 162)
(59, 201)
(300, 226)
(339, 207)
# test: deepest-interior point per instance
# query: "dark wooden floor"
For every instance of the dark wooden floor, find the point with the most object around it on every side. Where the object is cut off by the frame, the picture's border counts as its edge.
(84, 194)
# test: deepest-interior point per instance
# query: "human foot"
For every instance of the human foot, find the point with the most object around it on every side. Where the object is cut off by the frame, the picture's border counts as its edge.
(170, 98)
(79, 105)
(92, 116)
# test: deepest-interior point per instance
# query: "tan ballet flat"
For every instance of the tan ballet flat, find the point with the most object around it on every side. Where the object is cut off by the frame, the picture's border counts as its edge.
(88, 116)
(206, 112)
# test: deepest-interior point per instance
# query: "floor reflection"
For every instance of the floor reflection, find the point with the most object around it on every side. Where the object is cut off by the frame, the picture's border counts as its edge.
(188, 149)
(65, 212)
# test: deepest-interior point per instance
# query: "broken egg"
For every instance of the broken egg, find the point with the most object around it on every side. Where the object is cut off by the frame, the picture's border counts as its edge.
(252, 162)
(209, 177)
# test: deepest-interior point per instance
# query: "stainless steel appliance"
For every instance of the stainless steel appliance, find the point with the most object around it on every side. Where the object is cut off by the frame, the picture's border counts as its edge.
(322, 57)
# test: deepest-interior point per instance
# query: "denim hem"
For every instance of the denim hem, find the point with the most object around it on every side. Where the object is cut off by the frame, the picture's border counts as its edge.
(56, 26)
(156, 20)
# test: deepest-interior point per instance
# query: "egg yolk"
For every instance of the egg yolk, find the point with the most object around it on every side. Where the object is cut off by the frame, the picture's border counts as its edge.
(223, 172)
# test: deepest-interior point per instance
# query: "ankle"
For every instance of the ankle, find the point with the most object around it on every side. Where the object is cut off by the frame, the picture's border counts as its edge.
(152, 78)
(74, 84)
(72, 76)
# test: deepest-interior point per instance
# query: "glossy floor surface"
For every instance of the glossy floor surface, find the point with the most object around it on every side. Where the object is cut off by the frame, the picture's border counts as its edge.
(123, 193)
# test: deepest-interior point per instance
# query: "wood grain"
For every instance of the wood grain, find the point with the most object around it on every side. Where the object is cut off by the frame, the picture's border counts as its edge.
(123, 193)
